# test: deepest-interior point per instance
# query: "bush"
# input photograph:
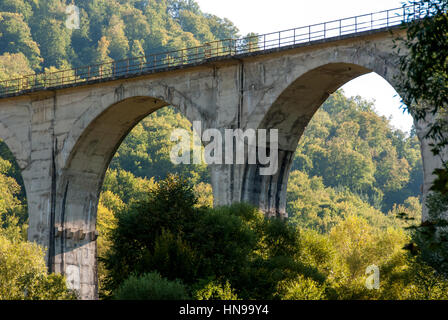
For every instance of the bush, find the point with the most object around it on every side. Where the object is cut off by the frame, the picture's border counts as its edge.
(151, 286)
(213, 290)
(172, 258)
(23, 274)
(301, 289)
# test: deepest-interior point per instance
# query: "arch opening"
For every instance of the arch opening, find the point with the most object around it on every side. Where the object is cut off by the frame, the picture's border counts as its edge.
(340, 147)
(116, 161)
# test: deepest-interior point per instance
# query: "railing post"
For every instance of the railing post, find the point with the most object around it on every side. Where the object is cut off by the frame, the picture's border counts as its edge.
(294, 36)
(264, 42)
(387, 20)
(356, 24)
(309, 33)
(371, 21)
(325, 30)
(279, 39)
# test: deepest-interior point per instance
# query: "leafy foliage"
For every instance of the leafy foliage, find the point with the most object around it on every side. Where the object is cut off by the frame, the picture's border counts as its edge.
(108, 30)
(167, 233)
(150, 286)
(23, 272)
(213, 290)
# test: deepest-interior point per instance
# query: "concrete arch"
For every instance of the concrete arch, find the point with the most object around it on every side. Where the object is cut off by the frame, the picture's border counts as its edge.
(301, 93)
(79, 183)
(296, 105)
(136, 92)
(290, 76)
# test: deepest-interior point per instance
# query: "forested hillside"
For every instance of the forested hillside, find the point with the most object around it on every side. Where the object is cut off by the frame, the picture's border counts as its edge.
(34, 36)
(352, 175)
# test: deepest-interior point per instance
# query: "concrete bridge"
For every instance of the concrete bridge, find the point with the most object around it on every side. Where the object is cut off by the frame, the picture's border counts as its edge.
(64, 128)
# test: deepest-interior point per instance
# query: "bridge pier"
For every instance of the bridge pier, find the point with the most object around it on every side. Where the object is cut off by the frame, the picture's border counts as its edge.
(429, 161)
(244, 183)
(75, 234)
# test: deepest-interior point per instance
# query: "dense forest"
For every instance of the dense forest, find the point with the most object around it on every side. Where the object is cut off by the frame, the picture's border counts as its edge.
(352, 177)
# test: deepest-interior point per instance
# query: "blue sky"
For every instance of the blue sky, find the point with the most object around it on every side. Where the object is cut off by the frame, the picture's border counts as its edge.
(263, 16)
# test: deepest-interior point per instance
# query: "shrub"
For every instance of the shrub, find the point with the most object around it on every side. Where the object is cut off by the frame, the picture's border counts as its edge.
(23, 274)
(213, 290)
(151, 286)
(301, 289)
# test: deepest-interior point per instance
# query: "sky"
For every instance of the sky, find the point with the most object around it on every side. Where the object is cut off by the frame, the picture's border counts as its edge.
(264, 16)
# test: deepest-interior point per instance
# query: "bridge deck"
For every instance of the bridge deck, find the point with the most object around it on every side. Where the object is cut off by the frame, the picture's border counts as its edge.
(214, 51)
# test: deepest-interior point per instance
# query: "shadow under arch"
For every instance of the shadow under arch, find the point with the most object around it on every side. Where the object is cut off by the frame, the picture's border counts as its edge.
(290, 113)
(72, 250)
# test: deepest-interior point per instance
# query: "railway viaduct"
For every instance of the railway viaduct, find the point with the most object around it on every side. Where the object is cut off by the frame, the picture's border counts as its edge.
(64, 128)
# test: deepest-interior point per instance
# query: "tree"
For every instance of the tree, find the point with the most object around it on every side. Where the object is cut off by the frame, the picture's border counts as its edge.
(138, 54)
(425, 67)
(119, 44)
(15, 37)
(23, 272)
(425, 85)
(17, 6)
(425, 88)
(54, 40)
(169, 208)
(102, 58)
(167, 233)
(13, 66)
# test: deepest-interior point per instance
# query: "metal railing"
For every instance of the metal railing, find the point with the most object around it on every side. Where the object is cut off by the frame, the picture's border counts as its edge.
(221, 48)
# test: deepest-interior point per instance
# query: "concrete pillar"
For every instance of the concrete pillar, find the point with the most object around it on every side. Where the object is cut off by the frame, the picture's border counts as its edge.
(244, 183)
(75, 232)
(429, 161)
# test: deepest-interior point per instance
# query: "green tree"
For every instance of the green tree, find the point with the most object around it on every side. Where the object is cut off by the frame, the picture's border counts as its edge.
(54, 40)
(425, 92)
(17, 6)
(13, 66)
(23, 272)
(15, 37)
(119, 44)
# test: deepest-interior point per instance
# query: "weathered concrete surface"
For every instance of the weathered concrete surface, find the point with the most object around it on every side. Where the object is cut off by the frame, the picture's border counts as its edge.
(64, 139)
